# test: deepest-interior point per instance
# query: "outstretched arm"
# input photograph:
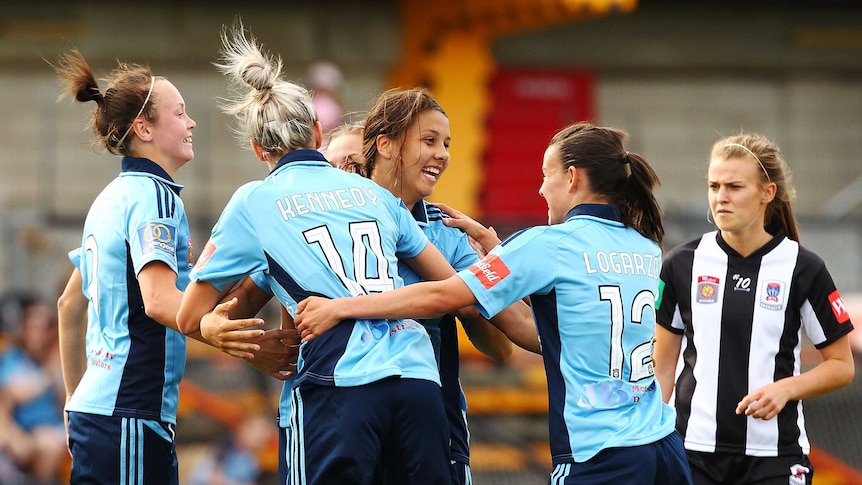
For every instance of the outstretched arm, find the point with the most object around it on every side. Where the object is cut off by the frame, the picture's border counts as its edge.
(421, 300)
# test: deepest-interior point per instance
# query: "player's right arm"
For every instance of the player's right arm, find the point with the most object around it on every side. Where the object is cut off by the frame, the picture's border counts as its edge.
(72, 326)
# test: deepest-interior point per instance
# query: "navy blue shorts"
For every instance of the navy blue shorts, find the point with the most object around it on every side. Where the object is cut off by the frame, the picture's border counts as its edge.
(660, 463)
(121, 451)
(727, 468)
(283, 456)
(342, 434)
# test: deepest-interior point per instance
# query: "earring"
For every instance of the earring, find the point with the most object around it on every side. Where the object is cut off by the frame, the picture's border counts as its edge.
(708, 213)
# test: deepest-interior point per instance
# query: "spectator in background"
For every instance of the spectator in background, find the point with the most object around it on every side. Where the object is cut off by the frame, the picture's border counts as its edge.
(235, 460)
(32, 436)
(325, 80)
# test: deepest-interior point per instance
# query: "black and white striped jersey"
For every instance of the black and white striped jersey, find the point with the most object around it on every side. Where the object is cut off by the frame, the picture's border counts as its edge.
(741, 319)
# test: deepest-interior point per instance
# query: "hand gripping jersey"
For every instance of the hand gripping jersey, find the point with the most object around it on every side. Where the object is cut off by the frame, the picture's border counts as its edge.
(750, 312)
(592, 283)
(317, 230)
(134, 364)
(453, 243)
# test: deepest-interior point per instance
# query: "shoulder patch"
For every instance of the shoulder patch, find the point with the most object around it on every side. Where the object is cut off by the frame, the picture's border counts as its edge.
(208, 251)
(160, 237)
(490, 270)
(838, 307)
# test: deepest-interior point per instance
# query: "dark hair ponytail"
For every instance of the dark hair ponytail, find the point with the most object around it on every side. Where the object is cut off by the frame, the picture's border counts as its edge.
(624, 178)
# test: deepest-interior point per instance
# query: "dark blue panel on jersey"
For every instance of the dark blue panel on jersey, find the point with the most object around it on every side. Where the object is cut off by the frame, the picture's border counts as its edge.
(144, 372)
(545, 310)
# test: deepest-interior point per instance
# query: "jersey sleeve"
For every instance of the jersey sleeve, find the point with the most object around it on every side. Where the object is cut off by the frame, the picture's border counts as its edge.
(823, 313)
(153, 219)
(462, 255)
(512, 271)
(233, 250)
(411, 239)
(261, 281)
(75, 257)
(667, 304)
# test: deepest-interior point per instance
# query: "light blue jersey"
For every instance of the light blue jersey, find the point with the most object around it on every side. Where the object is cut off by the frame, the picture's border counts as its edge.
(134, 364)
(454, 245)
(592, 284)
(316, 230)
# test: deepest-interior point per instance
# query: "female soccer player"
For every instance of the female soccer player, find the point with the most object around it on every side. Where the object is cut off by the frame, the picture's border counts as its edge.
(134, 263)
(371, 387)
(406, 150)
(592, 277)
(735, 302)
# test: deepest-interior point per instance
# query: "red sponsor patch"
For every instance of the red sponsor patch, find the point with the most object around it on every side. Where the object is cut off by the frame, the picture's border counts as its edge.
(208, 251)
(838, 307)
(490, 270)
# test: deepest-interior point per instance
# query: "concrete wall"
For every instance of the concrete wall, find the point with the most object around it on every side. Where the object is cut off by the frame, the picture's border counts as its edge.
(675, 77)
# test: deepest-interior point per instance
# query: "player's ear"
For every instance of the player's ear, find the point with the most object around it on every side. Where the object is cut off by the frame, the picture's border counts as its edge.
(258, 151)
(318, 135)
(384, 146)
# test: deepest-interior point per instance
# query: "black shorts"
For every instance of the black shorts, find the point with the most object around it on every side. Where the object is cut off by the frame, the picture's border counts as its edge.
(728, 468)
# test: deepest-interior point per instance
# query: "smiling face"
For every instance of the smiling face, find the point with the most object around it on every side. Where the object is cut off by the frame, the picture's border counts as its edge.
(737, 196)
(424, 156)
(556, 185)
(171, 131)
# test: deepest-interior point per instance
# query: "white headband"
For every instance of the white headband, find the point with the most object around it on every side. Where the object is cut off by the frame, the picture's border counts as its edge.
(753, 155)
(146, 100)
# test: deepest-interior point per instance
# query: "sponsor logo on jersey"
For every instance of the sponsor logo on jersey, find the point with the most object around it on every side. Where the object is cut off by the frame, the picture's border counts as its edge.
(707, 289)
(208, 251)
(490, 270)
(838, 307)
(158, 236)
(772, 295)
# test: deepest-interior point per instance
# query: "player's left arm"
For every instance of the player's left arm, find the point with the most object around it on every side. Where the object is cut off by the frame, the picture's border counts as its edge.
(159, 292)
(836, 371)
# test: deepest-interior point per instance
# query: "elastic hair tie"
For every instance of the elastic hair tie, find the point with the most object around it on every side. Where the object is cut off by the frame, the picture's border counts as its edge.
(625, 158)
(132, 124)
(753, 155)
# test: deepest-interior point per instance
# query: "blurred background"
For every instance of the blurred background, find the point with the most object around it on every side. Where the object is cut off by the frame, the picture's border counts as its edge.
(677, 75)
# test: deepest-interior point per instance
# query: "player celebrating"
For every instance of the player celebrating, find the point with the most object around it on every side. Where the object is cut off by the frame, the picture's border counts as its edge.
(371, 387)
(135, 259)
(592, 277)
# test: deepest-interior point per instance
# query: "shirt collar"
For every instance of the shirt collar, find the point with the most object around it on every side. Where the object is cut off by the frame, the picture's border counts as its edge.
(147, 166)
(604, 211)
(420, 212)
(304, 155)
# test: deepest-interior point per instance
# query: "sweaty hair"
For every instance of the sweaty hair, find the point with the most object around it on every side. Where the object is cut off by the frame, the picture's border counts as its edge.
(276, 114)
(624, 178)
(392, 114)
(119, 106)
(772, 168)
